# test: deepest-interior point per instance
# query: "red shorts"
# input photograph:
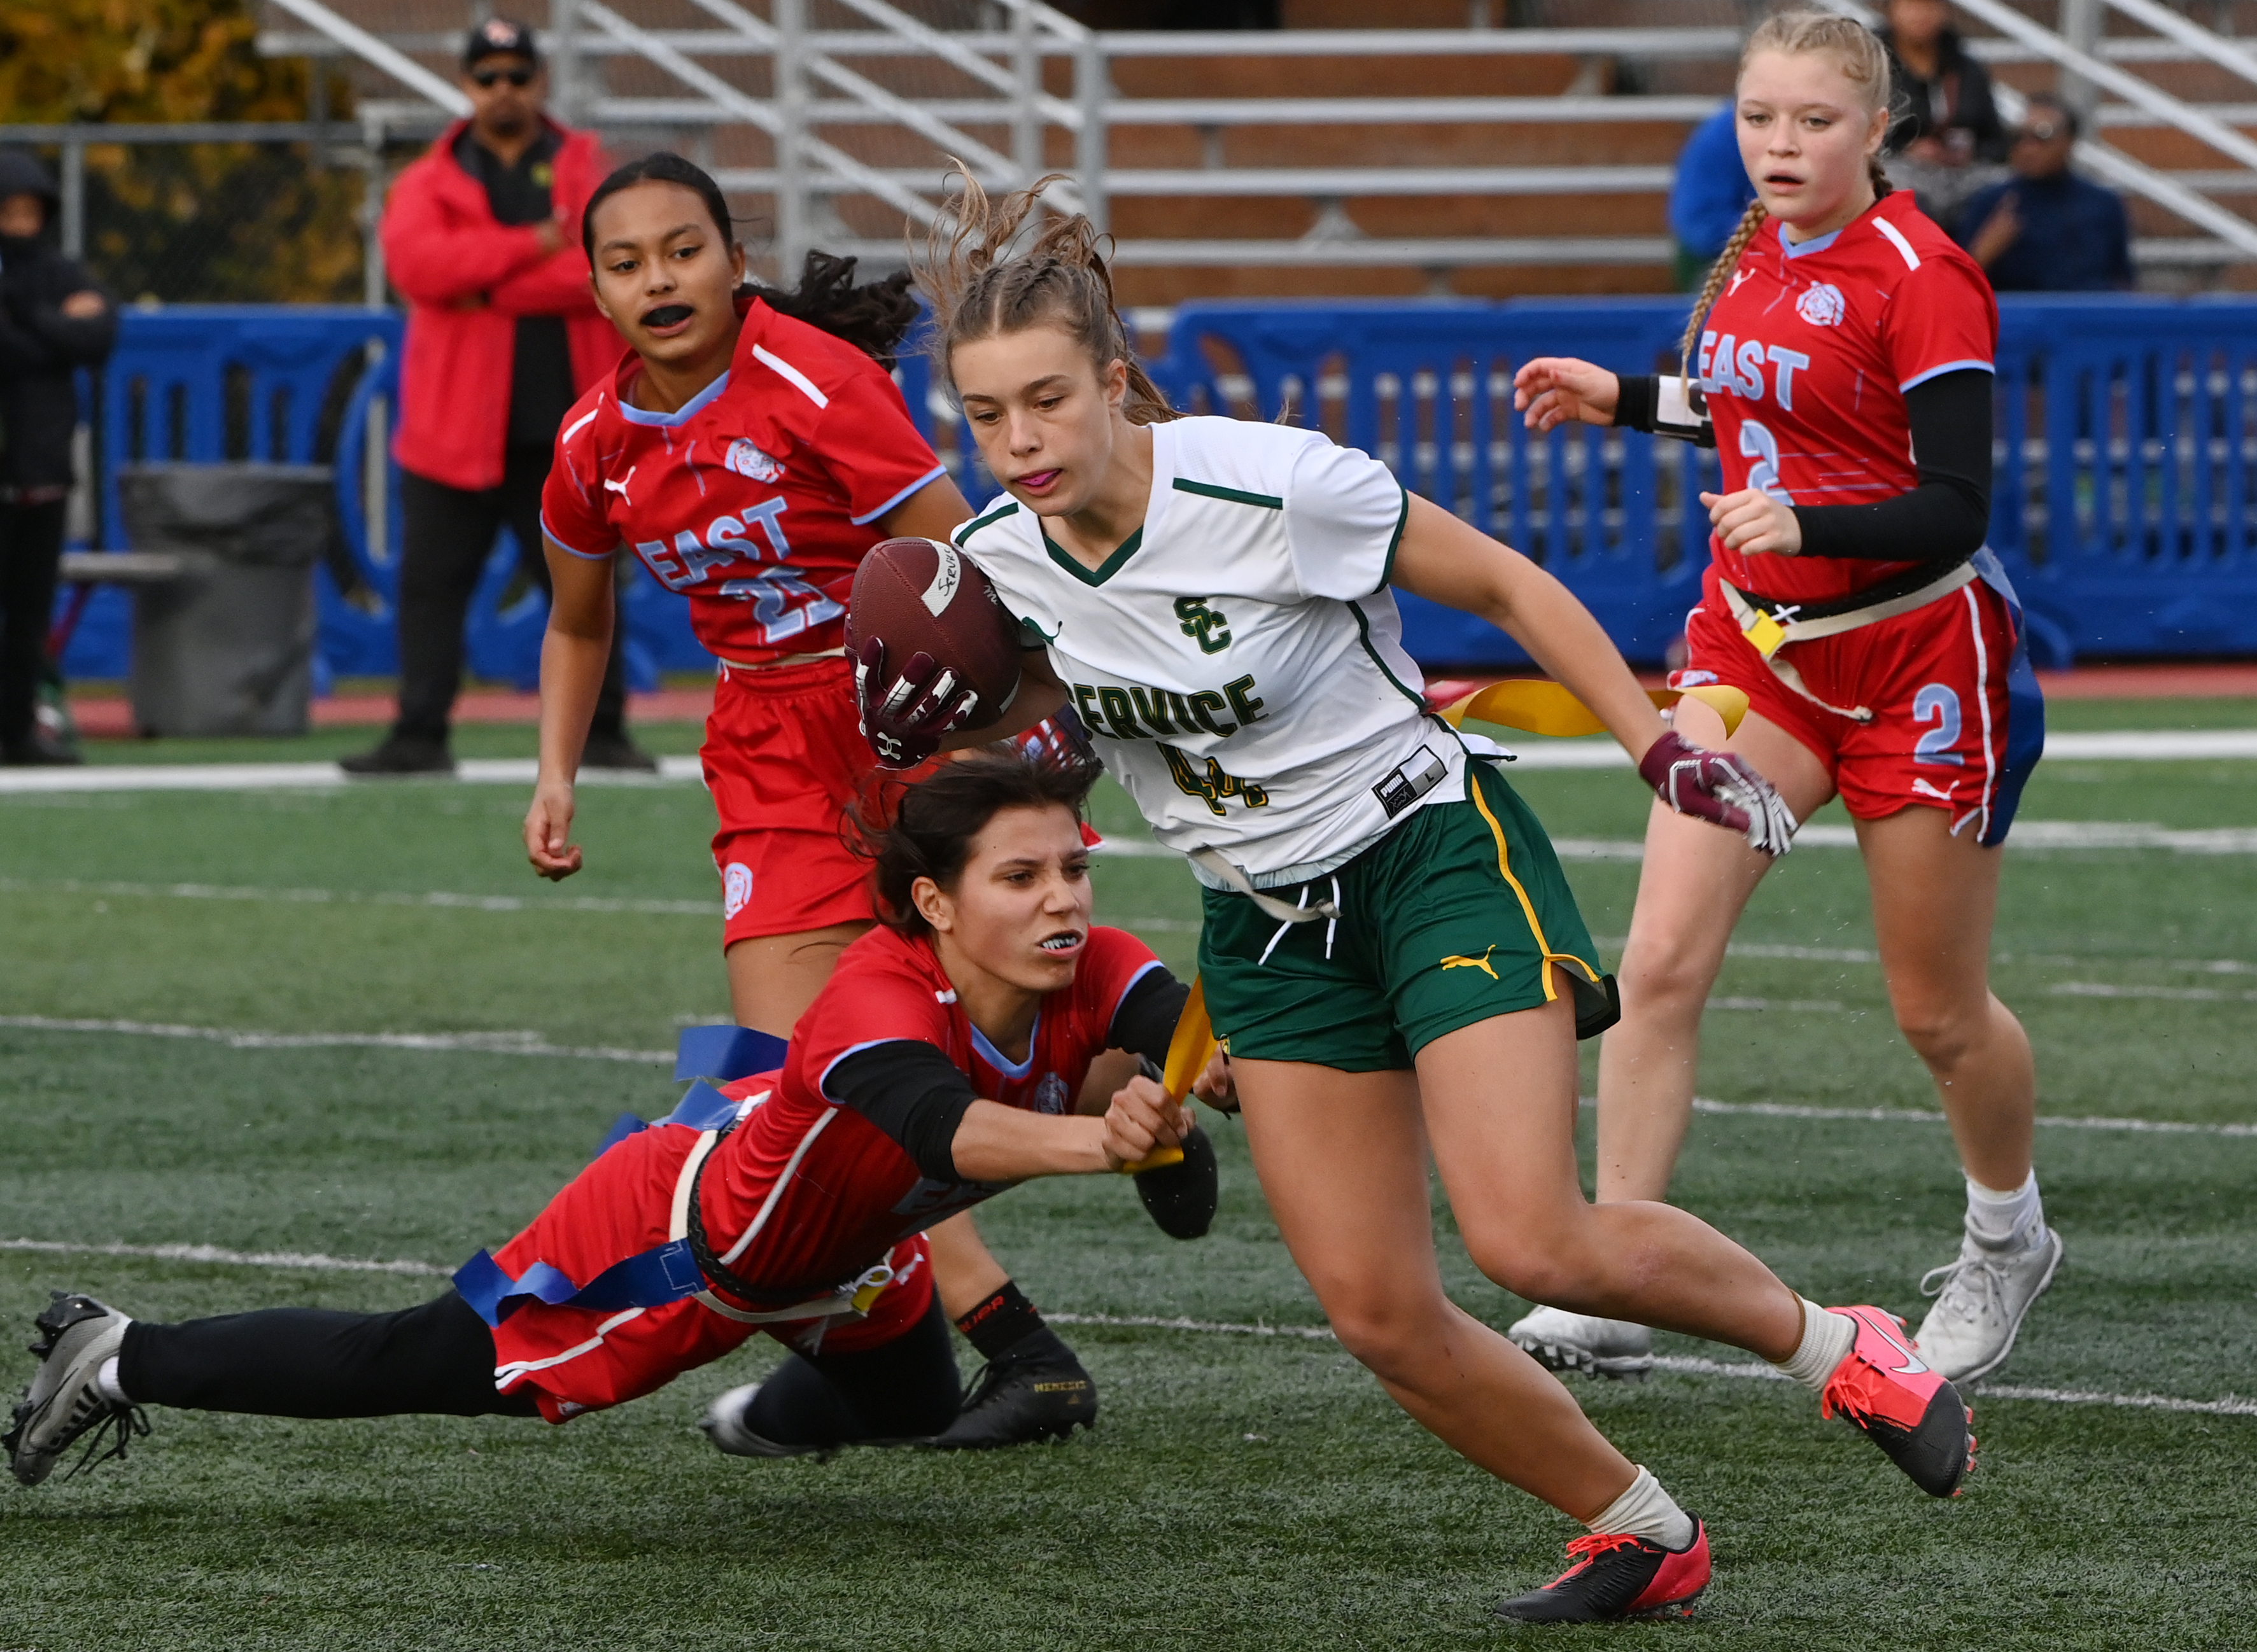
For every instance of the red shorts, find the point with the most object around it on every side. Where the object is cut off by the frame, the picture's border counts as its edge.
(576, 1359)
(1956, 722)
(784, 756)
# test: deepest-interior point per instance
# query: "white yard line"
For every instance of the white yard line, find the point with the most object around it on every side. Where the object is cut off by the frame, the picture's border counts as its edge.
(511, 1043)
(439, 898)
(2127, 745)
(1914, 1116)
(315, 1261)
(259, 777)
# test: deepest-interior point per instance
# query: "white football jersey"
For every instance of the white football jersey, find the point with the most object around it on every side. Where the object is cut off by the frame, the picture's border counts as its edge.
(1239, 660)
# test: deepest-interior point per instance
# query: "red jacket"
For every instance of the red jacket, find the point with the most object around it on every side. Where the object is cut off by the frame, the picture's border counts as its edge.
(442, 245)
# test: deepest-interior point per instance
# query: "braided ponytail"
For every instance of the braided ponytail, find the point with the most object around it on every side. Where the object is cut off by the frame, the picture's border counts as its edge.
(979, 286)
(1751, 220)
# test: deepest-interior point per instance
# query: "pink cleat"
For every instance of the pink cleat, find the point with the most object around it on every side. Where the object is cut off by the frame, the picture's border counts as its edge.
(1903, 1404)
(1617, 1577)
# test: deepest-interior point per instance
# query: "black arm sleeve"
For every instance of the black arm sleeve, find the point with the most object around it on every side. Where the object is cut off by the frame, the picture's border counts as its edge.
(1144, 1024)
(1948, 515)
(913, 1093)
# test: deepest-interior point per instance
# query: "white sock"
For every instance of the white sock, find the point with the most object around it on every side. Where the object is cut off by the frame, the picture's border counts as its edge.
(1998, 1216)
(1826, 1339)
(105, 1380)
(1645, 1511)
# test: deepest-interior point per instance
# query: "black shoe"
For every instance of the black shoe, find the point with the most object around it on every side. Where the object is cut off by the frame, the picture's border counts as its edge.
(38, 749)
(1618, 1578)
(616, 752)
(401, 754)
(1034, 1390)
(1181, 1197)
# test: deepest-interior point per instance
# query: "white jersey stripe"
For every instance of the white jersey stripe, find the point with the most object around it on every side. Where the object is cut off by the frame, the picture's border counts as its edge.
(1897, 240)
(806, 385)
(581, 423)
(922, 481)
(783, 1180)
(1983, 699)
(503, 1376)
(1947, 367)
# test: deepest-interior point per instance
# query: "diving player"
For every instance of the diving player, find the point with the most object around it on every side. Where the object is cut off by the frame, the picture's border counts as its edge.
(926, 1077)
(1844, 373)
(1389, 951)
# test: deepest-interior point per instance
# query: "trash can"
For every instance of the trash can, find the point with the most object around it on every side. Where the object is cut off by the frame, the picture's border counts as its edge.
(228, 647)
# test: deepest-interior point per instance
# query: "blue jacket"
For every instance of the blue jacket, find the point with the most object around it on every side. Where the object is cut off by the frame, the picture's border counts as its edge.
(1711, 189)
(2075, 237)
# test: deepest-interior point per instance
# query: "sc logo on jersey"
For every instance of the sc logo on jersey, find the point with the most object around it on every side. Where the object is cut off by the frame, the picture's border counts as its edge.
(1204, 625)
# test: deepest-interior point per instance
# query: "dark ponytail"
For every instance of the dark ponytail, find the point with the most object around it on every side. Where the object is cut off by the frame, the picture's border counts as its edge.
(925, 829)
(873, 316)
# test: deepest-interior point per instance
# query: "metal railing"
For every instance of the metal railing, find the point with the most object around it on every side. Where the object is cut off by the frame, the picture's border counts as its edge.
(853, 156)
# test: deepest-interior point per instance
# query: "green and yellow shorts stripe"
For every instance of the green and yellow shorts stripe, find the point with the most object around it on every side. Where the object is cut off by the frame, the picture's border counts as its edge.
(1454, 916)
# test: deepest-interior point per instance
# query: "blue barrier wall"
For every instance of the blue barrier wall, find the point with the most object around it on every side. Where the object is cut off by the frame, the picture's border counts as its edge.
(2127, 460)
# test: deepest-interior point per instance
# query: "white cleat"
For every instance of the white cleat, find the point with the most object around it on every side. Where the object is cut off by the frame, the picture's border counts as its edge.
(1562, 1341)
(1980, 1300)
(65, 1402)
(724, 1424)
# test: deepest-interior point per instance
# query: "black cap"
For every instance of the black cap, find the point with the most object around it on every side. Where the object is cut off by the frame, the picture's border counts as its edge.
(499, 37)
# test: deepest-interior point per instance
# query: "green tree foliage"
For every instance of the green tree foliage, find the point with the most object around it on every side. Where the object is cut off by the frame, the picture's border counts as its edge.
(208, 222)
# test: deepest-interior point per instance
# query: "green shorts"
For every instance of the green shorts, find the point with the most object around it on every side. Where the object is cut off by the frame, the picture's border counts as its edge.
(1452, 918)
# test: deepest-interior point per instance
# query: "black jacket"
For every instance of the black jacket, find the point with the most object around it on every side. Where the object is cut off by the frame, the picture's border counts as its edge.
(1959, 96)
(41, 347)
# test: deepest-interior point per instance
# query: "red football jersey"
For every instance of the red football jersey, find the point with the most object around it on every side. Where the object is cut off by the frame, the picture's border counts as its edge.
(826, 1192)
(758, 499)
(1805, 360)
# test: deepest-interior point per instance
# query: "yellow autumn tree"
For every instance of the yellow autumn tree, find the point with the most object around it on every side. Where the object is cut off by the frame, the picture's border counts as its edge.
(208, 222)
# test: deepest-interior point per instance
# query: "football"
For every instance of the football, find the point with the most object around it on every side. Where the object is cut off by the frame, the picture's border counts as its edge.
(922, 596)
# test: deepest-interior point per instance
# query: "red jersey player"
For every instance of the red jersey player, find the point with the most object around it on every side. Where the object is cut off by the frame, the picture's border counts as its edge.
(940, 1065)
(749, 451)
(1840, 359)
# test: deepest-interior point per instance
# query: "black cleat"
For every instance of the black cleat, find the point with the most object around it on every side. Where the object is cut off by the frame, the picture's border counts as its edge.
(1034, 1390)
(617, 751)
(401, 754)
(1181, 1197)
(1615, 1578)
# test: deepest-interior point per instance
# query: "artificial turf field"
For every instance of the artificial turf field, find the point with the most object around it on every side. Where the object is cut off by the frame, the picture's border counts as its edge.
(1242, 1490)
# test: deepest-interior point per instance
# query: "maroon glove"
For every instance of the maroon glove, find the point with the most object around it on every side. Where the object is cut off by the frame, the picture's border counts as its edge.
(1721, 788)
(905, 720)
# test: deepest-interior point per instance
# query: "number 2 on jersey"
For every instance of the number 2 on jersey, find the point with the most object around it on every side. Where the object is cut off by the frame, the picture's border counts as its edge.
(1757, 442)
(784, 605)
(1938, 701)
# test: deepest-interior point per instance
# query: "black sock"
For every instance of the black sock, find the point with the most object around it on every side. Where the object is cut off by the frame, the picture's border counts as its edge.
(1002, 1320)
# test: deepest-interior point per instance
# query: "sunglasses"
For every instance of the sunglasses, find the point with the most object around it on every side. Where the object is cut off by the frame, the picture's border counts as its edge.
(2040, 132)
(490, 78)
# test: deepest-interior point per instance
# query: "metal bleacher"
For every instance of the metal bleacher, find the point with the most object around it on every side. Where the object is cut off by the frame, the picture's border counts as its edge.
(1318, 158)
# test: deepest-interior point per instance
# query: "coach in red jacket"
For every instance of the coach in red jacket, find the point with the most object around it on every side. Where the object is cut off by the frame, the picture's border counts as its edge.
(482, 237)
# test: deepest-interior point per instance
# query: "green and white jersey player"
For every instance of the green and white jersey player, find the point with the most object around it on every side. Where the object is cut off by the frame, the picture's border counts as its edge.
(1390, 948)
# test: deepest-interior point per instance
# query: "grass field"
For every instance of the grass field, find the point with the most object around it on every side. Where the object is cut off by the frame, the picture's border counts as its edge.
(1243, 1491)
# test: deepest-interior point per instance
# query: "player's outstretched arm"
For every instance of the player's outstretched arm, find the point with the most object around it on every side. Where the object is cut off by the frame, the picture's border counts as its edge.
(1558, 390)
(995, 1143)
(1446, 561)
(574, 652)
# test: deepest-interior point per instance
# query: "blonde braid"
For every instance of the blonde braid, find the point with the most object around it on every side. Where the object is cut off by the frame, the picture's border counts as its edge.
(1750, 222)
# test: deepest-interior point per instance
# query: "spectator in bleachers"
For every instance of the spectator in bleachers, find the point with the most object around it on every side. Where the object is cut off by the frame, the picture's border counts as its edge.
(482, 237)
(54, 321)
(1949, 139)
(2046, 229)
(1709, 195)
